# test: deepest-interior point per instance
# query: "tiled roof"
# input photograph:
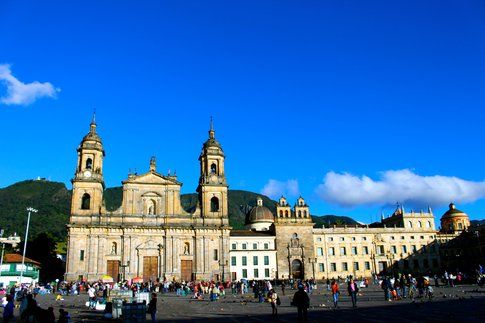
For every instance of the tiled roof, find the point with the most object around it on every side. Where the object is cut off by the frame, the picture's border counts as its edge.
(15, 258)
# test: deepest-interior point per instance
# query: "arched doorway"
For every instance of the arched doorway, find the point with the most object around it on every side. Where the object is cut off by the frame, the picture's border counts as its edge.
(297, 269)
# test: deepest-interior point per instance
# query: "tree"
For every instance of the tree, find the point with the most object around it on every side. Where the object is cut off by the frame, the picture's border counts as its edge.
(43, 249)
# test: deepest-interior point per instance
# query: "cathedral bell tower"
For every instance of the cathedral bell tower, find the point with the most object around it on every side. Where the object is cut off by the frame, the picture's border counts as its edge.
(212, 187)
(88, 182)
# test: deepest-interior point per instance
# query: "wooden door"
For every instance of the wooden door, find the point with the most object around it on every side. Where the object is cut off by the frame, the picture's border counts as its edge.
(113, 269)
(150, 268)
(186, 273)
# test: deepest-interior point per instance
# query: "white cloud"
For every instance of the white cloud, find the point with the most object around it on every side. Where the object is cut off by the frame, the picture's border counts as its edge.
(402, 186)
(19, 93)
(274, 189)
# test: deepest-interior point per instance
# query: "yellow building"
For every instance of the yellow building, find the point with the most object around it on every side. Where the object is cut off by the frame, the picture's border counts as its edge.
(153, 237)
(150, 235)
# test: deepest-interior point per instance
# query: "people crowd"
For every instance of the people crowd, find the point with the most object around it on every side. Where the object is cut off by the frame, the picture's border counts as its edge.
(395, 287)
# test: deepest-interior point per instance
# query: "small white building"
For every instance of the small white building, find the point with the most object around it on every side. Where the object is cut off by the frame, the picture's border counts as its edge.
(252, 254)
(11, 269)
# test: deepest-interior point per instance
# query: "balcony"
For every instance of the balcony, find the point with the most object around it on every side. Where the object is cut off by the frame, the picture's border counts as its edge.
(28, 273)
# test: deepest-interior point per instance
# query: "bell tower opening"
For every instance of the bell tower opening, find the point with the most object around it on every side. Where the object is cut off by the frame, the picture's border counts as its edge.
(214, 204)
(86, 202)
(213, 168)
(89, 163)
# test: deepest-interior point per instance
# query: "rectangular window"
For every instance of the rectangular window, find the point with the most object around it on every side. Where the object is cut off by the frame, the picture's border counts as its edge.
(319, 251)
(245, 273)
(367, 265)
(330, 239)
(255, 246)
(319, 239)
(365, 250)
(354, 251)
(404, 249)
(343, 251)
(402, 237)
(345, 266)
(414, 248)
(266, 246)
(266, 260)
(393, 249)
(333, 266)
(233, 246)
(256, 273)
(233, 261)
(380, 249)
(244, 246)
(353, 238)
(331, 251)
(266, 272)
(412, 237)
(321, 267)
(81, 255)
(342, 238)
(364, 238)
(392, 238)
(255, 260)
(216, 254)
(356, 265)
(244, 261)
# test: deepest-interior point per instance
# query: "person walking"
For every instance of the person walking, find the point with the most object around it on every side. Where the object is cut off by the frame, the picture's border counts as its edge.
(353, 290)
(302, 303)
(152, 307)
(335, 292)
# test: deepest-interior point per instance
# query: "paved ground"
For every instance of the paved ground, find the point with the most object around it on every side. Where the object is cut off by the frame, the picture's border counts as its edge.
(459, 304)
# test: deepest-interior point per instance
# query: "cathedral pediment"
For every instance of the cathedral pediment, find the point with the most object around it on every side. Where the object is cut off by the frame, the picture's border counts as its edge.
(152, 178)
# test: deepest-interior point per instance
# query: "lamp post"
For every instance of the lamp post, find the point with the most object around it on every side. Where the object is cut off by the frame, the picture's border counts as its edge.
(30, 210)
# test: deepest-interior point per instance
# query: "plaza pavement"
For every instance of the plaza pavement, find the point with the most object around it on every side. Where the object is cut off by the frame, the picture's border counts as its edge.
(459, 304)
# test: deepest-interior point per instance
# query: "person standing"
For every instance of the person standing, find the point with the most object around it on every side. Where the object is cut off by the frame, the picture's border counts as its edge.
(335, 293)
(273, 298)
(353, 290)
(302, 303)
(152, 307)
(8, 309)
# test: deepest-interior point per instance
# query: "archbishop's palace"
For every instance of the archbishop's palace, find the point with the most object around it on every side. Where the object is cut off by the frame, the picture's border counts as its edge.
(151, 236)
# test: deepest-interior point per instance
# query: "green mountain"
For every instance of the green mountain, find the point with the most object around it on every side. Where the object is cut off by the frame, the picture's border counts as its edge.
(53, 199)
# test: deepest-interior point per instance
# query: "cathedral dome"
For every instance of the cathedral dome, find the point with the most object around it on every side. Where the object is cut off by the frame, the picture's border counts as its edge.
(454, 220)
(260, 213)
(453, 212)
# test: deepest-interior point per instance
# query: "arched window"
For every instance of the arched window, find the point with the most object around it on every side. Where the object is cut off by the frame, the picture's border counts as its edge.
(214, 204)
(186, 248)
(420, 224)
(286, 214)
(281, 213)
(428, 224)
(460, 226)
(89, 163)
(151, 207)
(86, 201)
(410, 224)
(213, 168)
(305, 214)
(299, 214)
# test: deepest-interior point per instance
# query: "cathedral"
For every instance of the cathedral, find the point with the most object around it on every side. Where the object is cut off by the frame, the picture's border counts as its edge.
(150, 236)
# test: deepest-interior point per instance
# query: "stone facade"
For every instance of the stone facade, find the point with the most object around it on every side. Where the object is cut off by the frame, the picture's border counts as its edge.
(153, 237)
(150, 235)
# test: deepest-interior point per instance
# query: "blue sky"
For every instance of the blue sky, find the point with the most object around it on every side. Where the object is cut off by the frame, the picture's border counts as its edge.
(354, 105)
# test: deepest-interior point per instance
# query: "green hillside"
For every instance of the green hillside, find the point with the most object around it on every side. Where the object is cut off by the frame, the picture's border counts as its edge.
(53, 200)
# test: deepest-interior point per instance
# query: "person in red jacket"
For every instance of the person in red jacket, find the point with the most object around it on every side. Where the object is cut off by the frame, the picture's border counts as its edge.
(335, 292)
